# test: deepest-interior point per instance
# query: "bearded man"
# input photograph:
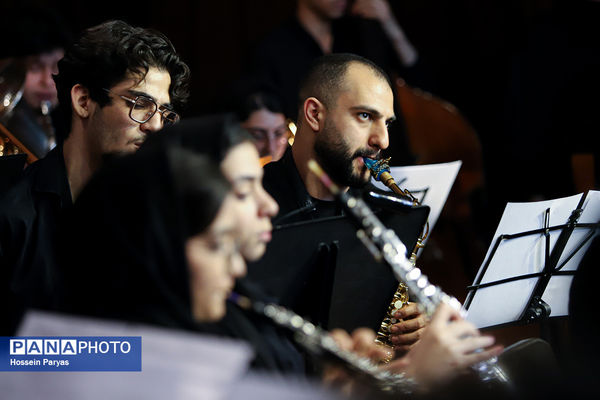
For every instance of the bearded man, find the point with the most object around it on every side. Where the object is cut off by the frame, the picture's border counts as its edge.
(346, 104)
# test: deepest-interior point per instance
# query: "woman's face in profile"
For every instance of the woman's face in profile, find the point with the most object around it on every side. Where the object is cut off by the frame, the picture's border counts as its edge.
(255, 206)
(214, 263)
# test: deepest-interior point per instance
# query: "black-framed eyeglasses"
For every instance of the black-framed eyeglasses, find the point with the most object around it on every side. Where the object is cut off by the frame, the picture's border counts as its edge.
(143, 108)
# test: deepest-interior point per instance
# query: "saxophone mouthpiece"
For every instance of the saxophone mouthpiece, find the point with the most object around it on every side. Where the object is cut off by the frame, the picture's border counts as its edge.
(377, 167)
(380, 171)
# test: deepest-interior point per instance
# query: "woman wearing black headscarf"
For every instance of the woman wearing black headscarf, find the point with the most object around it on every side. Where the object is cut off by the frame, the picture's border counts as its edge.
(221, 138)
(129, 249)
(152, 239)
(231, 148)
(445, 349)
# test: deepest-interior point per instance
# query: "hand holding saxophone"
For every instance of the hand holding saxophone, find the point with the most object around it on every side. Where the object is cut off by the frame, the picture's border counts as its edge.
(385, 245)
(449, 345)
(446, 348)
(405, 334)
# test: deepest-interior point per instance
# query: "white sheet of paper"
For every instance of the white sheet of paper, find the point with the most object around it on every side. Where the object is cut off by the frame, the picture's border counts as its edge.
(430, 184)
(262, 386)
(519, 256)
(175, 364)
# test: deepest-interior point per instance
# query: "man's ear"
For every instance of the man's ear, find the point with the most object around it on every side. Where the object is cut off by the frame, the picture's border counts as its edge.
(81, 101)
(314, 113)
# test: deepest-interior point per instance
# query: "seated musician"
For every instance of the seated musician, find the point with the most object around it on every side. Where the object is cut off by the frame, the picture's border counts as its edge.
(346, 105)
(262, 115)
(167, 238)
(38, 40)
(116, 84)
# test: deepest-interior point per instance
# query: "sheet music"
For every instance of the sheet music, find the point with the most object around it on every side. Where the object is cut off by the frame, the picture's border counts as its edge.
(590, 214)
(175, 364)
(552, 295)
(430, 184)
(524, 255)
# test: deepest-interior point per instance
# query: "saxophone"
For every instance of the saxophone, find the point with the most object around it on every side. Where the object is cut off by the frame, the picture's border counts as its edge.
(391, 249)
(380, 171)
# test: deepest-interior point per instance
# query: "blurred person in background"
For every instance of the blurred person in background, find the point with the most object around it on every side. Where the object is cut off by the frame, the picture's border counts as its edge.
(262, 116)
(36, 38)
(364, 27)
(116, 84)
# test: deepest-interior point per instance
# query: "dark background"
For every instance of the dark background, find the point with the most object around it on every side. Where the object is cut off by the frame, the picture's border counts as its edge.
(468, 44)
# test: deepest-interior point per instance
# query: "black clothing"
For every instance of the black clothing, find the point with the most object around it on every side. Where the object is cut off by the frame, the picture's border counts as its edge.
(122, 254)
(130, 225)
(285, 55)
(11, 169)
(31, 214)
(212, 136)
(316, 265)
(274, 348)
(283, 182)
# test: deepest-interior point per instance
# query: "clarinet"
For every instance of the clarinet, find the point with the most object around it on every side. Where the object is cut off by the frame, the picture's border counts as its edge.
(321, 344)
(384, 244)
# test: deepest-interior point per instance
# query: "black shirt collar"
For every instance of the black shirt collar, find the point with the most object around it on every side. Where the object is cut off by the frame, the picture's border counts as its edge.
(52, 176)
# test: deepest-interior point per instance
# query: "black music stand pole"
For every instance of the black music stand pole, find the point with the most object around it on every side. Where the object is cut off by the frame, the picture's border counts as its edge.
(537, 309)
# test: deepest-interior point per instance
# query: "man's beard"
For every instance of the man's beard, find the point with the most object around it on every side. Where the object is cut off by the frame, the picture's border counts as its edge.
(336, 158)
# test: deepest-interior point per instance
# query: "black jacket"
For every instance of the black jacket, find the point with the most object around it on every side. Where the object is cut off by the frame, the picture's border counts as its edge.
(30, 218)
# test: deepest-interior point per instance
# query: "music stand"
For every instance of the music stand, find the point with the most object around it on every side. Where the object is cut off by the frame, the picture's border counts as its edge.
(321, 270)
(529, 273)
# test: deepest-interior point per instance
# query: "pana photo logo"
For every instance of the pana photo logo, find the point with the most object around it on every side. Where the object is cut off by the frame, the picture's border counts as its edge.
(89, 353)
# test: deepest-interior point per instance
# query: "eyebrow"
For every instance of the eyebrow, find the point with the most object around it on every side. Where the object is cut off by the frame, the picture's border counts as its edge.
(138, 93)
(373, 111)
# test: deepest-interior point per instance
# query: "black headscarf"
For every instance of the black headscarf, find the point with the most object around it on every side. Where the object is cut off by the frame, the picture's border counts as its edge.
(124, 250)
(212, 136)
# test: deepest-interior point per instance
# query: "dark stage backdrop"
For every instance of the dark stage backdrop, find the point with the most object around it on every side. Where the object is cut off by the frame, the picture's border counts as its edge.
(465, 42)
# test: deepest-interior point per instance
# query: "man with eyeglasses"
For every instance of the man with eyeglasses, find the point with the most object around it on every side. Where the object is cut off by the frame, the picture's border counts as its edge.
(116, 85)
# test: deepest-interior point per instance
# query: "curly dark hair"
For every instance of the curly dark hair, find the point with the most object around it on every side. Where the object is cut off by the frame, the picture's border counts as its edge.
(105, 54)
